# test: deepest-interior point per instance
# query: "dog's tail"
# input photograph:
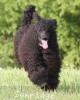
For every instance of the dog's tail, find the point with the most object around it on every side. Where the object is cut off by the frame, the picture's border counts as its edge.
(28, 13)
(36, 16)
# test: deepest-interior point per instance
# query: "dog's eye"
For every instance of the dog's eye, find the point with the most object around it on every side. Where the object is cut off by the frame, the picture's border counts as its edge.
(45, 39)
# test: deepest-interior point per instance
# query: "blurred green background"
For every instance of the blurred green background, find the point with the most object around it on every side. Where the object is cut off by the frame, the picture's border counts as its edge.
(67, 13)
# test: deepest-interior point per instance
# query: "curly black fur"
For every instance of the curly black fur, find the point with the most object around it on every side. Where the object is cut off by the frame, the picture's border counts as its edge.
(26, 22)
(43, 65)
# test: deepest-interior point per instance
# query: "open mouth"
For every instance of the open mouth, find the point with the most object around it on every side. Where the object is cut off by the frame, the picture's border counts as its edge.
(44, 44)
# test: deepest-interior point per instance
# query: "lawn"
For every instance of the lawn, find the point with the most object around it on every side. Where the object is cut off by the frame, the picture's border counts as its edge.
(15, 85)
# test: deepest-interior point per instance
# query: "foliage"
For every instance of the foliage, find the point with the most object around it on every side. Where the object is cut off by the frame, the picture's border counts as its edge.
(7, 54)
(67, 14)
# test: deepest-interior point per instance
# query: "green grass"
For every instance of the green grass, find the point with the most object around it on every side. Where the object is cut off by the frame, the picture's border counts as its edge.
(15, 85)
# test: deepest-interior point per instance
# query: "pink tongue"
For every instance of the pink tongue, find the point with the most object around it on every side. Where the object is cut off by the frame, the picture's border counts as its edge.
(44, 44)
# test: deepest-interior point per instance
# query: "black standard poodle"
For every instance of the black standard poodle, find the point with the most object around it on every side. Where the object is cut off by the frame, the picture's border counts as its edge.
(37, 50)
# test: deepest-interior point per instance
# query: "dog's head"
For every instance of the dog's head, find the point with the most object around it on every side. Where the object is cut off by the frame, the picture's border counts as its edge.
(44, 28)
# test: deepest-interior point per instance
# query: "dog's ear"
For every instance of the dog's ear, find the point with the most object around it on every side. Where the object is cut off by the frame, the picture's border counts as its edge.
(53, 23)
(36, 16)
